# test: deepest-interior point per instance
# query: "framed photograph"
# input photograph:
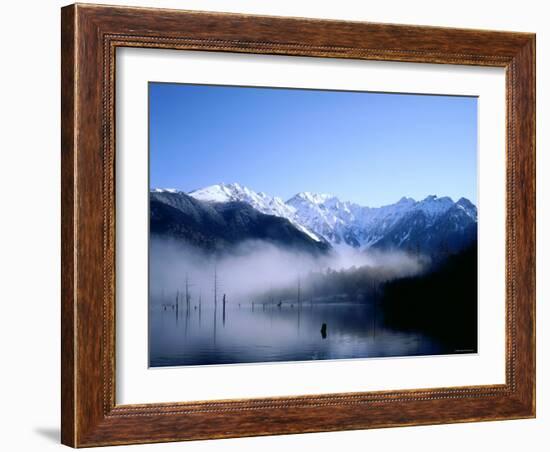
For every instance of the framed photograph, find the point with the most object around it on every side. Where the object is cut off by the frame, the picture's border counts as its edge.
(281, 225)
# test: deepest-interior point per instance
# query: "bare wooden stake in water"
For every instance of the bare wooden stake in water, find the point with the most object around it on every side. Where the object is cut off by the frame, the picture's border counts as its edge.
(223, 316)
(299, 300)
(215, 299)
(375, 309)
(177, 305)
(187, 294)
(187, 301)
(200, 307)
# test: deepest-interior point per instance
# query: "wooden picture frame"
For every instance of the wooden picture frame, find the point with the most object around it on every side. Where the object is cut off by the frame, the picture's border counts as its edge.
(90, 36)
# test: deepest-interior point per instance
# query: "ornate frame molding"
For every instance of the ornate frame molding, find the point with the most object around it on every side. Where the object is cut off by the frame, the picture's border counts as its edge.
(90, 36)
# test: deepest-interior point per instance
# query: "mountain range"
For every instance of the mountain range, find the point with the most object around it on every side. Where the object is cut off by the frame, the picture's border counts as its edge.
(216, 227)
(225, 214)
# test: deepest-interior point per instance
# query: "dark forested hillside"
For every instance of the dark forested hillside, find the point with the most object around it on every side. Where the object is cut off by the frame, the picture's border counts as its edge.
(442, 303)
(219, 226)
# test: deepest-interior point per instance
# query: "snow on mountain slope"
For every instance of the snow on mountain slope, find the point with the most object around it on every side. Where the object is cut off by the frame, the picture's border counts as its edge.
(433, 206)
(219, 227)
(313, 212)
(165, 190)
(362, 227)
(324, 217)
(260, 201)
(468, 207)
(236, 192)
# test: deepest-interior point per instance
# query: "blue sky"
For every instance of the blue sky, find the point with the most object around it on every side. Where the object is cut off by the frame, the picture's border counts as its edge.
(370, 148)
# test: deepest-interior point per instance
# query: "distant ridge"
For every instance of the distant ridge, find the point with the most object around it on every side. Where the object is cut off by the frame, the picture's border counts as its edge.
(427, 226)
(218, 227)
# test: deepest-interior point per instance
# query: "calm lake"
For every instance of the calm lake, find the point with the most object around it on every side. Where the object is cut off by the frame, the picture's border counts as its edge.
(269, 332)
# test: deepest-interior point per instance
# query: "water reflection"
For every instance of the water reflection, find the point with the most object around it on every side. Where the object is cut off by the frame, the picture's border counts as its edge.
(274, 331)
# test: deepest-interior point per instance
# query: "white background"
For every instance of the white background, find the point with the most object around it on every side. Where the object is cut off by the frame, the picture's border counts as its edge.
(29, 320)
(138, 384)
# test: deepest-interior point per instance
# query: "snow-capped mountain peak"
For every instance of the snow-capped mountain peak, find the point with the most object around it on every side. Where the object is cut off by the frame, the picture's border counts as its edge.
(406, 200)
(165, 190)
(236, 192)
(468, 207)
(315, 198)
(433, 205)
(259, 201)
(218, 193)
(325, 217)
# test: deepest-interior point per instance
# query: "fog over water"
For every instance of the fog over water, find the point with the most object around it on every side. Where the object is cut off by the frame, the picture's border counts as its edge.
(255, 267)
(272, 304)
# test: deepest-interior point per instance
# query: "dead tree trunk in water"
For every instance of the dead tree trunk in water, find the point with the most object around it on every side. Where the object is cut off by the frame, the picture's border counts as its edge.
(187, 301)
(374, 309)
(223, 317)
(299, 300)
(215, 299)
(187, 294)
(200, 307)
